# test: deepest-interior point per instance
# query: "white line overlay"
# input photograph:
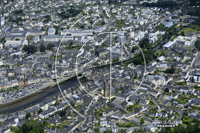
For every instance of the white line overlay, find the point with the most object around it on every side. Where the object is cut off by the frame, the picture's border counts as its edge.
(76, 68)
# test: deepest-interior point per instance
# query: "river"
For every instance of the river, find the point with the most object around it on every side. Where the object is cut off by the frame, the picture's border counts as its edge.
(37, 97)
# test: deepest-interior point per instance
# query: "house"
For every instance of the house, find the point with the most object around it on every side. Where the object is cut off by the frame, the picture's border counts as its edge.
(198, 117)
(175, 96)
(51, 31)
(160, 114)
(171, 117)
(10, 73)
(175, 103)
(144, 101)
(165, 115)
(168, 24)
(187, 41)
(95, 120)
(157, 79)
(102, 118)
(102, 129)
(168, 45)
(154, 93)
(162, 58)
(56, 38)
(129, 115)
(140, 36)
(168, 89)
(3, 118)
(121, 97)
(2, 21)
(20, 83)
(47, 113)
(152, 128)
(166, 103)
(153, 114)
(193, 115)
(45, 105)
(137, 21)
(104, 123)
(133, 99)
(163, 67)
(78, 33)
(36, 39)
(21, 114)
(169, 111)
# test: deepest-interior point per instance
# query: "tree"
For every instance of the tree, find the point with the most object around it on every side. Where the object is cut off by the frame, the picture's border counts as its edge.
(103, 22)
(96, 53)
(47, 18)
(90, 12)
(30, 126)
(133, 49)
(8, 90)
(28, 115)
(49, 66)
(57, 103)
(62, 113)
(82, 26)
(40, 111)
(137, 60)
(144, 43)
(197, 44)
(29, 49)
(50, 46)
(101, 15)
(171, 70)
(142, 121)
(182, 33)
(191, 128)
(162, 54)
(42, 48)
(3, 40)
(57, 29)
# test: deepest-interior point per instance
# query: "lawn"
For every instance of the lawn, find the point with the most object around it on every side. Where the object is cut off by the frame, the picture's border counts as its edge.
(187, 30)
(187, 119)
(67, 123)
(182, 99)
(126, 124)
(78, 107)
(180, 83)
(99, 113)
(133, 107)
(174, 107)
(194, 108)
(158, 52)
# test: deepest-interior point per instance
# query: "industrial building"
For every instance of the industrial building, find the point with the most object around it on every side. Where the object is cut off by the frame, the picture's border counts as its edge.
(2, 21)
(77, 33)
(56, 38)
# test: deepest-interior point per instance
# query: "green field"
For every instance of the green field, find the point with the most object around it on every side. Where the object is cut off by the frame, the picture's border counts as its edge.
(187, 30)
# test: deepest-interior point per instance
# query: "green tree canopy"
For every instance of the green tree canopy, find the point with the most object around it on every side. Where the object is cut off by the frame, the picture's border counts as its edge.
(42, 48)
(28, 115)
(144, 43)
(30, 126)
(29, 49)
(197, 44)
(171, 70)
(142, 121)
(50, 46)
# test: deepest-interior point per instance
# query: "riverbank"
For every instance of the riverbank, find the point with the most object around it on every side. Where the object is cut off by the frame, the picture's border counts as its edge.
(37, 96)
